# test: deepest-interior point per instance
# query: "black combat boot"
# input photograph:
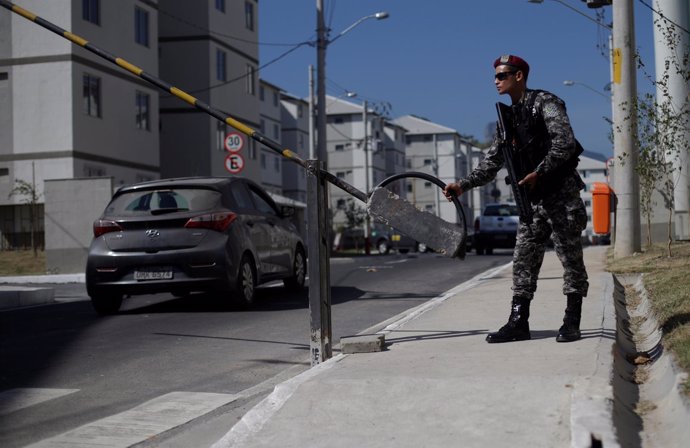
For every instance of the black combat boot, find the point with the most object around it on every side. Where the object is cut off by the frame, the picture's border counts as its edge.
(570, 330)
(517, 328)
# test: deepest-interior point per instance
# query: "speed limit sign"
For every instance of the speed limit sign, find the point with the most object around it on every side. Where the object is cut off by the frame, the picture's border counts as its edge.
(234, 141)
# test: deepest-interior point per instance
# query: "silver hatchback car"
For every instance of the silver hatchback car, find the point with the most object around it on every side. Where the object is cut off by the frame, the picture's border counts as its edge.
(223, 235)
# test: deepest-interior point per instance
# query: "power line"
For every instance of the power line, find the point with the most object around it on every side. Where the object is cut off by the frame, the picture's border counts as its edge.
(272, 61)
(216, 33)
(664, 17)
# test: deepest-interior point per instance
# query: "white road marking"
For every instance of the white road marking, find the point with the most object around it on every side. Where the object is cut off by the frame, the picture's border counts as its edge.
(15, 399)
(140, 423)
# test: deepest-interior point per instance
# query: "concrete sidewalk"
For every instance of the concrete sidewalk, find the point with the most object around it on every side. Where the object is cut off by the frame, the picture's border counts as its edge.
(439, 384)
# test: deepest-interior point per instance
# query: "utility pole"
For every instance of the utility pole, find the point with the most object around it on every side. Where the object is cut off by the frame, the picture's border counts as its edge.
(321, 44)
(626, 182)
(312, 134)
(677, 90)
(365, 147)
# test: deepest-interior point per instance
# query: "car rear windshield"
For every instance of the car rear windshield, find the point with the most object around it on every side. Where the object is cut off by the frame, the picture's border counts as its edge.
(501, 210)
(163, 201)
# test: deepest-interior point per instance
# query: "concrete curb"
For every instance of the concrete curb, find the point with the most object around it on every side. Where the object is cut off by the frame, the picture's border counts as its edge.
(592, 406)
(42, 279)
(21, 296)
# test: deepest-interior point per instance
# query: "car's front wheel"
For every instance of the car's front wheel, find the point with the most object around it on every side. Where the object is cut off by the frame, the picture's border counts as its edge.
(245, 285)
(106, 304)
(299, 272)
(382, 246)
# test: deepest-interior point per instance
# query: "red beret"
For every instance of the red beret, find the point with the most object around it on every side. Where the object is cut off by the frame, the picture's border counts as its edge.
(513, 61)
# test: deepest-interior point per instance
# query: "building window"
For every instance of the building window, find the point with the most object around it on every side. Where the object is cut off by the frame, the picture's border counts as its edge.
(92, 95)
(249, 16)
(261, 93)
(220, 5)
(427, 184)
(251, 83)
(276, 164)
(94, 171)
(276, 131)
(141, 26)
(339, 120)
(300, 111)
(252, 149)
(340, 147)
(340, 174)
(427, 162)
(220, 135)
(300, 140)
(143, 101)
(275, 99)
(263, 160)
(221, 65)
(262, 126)
(91, 11)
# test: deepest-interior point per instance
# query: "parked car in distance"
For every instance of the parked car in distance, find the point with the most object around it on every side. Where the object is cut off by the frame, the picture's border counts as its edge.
(386, 238)
(212, 234)
(496, 228)
(383, 240)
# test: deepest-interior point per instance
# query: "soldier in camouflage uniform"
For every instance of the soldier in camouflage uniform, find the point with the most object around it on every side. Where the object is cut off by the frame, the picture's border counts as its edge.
(547, 151)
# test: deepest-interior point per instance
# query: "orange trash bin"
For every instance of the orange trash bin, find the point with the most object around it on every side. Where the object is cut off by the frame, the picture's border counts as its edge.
(601, 208)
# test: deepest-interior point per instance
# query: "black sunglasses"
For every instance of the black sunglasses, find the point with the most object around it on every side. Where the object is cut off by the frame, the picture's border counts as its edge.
(503, 75)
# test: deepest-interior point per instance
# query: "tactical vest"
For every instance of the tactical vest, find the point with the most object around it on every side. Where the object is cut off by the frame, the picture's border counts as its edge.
(533, 143)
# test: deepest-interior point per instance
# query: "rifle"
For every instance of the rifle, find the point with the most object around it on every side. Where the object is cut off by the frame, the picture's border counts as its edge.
(505, 143)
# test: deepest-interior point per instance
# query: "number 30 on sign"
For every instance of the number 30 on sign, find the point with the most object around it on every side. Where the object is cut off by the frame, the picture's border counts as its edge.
(234, 142)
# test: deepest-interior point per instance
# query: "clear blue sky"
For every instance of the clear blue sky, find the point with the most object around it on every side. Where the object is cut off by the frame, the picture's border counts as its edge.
(434, 58)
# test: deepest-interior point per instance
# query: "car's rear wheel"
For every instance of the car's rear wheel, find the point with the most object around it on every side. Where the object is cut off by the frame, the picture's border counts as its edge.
(245, 286)
(299, 272)
(106, 304)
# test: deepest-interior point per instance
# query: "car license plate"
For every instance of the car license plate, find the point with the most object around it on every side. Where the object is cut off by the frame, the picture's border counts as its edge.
(395, 237)
(153, 274)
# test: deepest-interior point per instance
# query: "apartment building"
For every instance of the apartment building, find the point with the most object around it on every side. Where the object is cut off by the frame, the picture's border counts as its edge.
(67, 113)
(209, 50)
(440, 151)
(355, 149)
(270, 125)
(394, 147)
(295, 136)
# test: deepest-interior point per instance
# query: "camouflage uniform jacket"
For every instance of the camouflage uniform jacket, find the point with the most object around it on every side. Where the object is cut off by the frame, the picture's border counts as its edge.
(550, 152)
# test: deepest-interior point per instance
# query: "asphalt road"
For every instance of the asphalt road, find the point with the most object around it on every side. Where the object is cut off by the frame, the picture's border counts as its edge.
(159, 344)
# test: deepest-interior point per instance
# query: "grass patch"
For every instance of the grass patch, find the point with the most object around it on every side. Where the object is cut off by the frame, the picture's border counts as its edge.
(22, 262)
(667, 280)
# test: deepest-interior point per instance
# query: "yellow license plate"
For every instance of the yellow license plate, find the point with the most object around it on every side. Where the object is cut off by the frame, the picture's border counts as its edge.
(395, 237)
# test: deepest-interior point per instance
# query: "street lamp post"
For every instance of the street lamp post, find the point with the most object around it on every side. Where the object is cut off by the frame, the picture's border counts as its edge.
(322, 43)
(568, 82)
(320, 344)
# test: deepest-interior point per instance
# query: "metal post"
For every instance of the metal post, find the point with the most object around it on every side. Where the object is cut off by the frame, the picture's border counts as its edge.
(626, 186)
(319, 268)
(365, 147)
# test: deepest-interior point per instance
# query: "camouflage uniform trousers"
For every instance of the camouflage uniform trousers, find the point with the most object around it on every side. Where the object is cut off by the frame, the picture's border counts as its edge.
(564, 216)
